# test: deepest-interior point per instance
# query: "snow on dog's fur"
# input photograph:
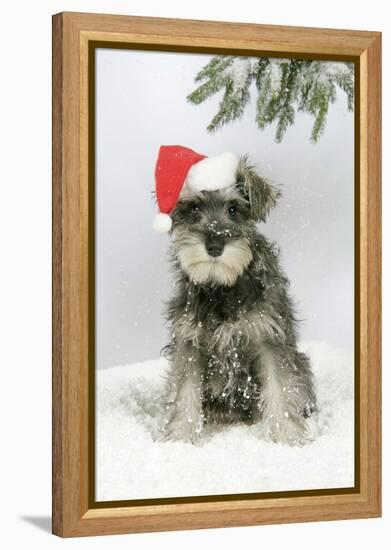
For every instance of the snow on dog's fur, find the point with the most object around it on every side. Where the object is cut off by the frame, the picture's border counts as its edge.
(233, 350)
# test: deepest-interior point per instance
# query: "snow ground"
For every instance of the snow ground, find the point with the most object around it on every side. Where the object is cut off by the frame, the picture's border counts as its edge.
(131, 465)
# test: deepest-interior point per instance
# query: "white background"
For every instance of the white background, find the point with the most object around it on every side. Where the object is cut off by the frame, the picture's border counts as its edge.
(25, 286)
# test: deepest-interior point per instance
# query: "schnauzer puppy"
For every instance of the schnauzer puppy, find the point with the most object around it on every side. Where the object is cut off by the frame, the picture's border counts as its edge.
(233, 352)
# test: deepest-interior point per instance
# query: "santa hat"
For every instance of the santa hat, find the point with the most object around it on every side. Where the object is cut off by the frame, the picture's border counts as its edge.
(179, 170)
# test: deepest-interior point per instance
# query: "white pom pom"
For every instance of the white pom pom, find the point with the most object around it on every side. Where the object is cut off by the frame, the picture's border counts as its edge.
(162, 223)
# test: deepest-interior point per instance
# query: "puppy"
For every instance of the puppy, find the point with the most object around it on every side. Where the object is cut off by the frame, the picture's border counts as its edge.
(233, 351)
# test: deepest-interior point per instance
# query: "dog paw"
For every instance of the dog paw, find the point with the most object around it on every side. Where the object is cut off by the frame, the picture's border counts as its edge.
(287, 431)
(186, 431)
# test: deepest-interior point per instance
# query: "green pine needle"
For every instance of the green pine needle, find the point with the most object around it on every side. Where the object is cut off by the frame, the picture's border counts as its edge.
(283, 87)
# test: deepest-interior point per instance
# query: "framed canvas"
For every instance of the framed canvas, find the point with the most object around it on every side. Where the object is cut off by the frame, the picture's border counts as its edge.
(255, 151)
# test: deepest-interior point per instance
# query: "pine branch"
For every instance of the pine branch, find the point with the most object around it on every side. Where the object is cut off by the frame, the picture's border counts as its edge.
(232, 105)
(216, 79)
(283, 87)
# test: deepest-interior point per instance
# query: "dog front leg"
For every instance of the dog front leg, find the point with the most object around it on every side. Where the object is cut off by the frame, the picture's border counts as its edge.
(184, 405)
(282, 399)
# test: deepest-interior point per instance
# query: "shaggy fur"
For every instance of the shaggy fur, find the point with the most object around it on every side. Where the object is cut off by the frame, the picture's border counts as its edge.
(233, 353)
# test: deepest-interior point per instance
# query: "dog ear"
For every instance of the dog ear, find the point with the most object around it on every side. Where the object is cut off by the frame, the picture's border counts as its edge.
(260, 193)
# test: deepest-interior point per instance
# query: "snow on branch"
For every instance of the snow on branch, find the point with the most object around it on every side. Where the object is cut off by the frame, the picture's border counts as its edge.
(284, 86)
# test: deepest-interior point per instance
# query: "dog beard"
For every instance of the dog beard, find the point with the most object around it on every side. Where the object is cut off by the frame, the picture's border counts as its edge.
(204, 269)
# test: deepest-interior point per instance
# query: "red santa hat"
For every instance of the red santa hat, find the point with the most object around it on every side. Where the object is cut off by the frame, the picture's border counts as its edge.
(179, 170)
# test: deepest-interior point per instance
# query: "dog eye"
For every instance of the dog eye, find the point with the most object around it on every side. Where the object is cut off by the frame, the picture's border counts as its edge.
(232, 210)
(195, 208)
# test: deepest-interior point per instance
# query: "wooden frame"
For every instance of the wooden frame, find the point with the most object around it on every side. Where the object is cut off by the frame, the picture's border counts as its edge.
(73, 512)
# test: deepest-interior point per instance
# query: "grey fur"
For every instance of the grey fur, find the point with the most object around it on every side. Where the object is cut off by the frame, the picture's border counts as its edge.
(233, 351)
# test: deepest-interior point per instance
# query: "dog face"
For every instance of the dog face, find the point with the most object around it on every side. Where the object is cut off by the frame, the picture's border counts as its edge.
(212, 230)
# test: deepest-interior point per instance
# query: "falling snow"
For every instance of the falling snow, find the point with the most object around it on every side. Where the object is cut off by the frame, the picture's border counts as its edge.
(132, 463)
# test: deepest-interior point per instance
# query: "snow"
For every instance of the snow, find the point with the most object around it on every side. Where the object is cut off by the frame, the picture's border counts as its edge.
(239, 70)
(131, 464)
(325, 72)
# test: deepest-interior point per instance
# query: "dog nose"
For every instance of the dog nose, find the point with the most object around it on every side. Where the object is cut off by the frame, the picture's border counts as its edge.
(214, 247)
